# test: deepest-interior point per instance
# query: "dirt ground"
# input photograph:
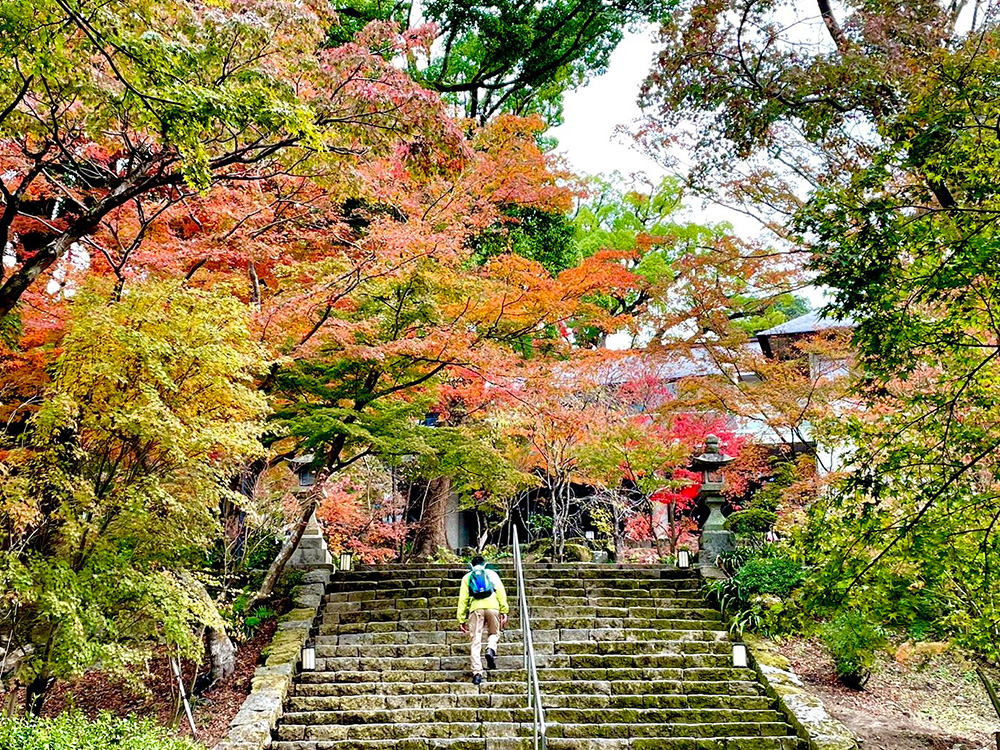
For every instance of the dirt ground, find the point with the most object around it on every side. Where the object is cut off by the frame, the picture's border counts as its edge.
(94, 693)
(916, 700)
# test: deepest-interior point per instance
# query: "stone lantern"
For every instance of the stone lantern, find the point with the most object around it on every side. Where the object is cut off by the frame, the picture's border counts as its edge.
(714, 537)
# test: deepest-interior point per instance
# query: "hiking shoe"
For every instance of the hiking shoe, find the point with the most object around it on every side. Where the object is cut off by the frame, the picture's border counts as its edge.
(477, 679)
(491, 659)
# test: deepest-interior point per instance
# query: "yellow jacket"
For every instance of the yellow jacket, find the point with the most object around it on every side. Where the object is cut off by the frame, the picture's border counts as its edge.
(466, 604)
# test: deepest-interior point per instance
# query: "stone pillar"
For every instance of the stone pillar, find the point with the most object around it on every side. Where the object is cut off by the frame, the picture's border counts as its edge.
(714, 537)
(312, 549)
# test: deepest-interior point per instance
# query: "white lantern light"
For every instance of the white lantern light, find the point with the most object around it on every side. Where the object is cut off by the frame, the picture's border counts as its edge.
(683, 558)
(308, 657)
(346, 557)
(589, 535)
(739, 655)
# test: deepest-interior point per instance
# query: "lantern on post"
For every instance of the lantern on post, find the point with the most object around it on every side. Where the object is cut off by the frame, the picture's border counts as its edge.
(739, 656)
(346, 560)
(308, 657)
(714, 537)
(683, 558)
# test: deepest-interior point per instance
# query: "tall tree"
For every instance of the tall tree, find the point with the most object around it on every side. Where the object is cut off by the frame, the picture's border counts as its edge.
(109, 502)
(874, 153)
(136, 106)
(696, 282)
(509, 56)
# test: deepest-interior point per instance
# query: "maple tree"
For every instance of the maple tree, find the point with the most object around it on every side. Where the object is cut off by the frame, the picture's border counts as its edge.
(113, 114)
(109, 500)
(872, 153)
(320, 190)
(508, 56)
(695, 282)
(362, 511)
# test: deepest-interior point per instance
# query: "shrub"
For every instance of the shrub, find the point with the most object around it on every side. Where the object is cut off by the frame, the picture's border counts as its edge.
(747, 550)
(73, 731)
(752, 521)
(852, 641)
(777, 576)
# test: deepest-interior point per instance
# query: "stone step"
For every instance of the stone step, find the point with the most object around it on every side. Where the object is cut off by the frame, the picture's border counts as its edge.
(357, 611)
(611, 730)
(451, 729)
(513, 636)
(326, 662)
(675, 679)
(556, 743)
(328, 646)
(531, 572)
(578, 597)
(332, 624)
(314, 685)
(450, 599)
(629, 657)
(369, 699)
(520, 714)
(543, 586)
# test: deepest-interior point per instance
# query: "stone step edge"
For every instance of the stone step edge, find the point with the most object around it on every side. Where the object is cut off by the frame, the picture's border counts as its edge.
(803, 710)
(555, 729)
(479, 715)
(525, 743)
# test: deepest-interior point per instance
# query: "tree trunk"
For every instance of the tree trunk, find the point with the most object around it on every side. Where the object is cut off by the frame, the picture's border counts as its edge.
(278, 566)
(34, 697)
(618, 528)
(222, 653)
(560, 494)
(432, 533)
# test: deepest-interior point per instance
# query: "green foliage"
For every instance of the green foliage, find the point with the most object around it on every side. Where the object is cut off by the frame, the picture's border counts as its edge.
(648, 220)
(852, 641)
(508, 55)
(540, 524)
(762, 595)
(110, 500)
(902, 227)
(542, 236)
(733, 560)
(493, 553)
(768, 497)
(11, 329)
(73, 731)
(777, 576)
(751, 521)
(445, 556)
(245, 623)
(255, 618)
(171, 78)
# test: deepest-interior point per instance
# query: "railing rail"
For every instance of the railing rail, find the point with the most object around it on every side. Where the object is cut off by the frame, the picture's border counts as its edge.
(530, 667)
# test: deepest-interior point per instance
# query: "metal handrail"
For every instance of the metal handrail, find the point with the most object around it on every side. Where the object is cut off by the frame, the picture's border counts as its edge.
(534, 689)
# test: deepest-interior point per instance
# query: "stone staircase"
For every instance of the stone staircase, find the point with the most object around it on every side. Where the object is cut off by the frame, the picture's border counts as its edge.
(630, 658)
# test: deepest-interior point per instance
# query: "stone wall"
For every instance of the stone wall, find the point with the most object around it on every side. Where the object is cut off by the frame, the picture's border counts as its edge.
(251, 728)
(803, 710)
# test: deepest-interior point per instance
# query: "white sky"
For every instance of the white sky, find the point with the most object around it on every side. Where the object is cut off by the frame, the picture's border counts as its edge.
(592, 114)
(597, 118)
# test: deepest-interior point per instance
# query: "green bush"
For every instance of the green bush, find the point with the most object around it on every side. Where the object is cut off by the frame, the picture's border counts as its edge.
(852, 641)
(73, 731)
(746, 550)
(777, 576)
(752, 521)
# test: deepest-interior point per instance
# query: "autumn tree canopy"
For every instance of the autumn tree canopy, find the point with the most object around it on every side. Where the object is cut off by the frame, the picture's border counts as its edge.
(860, 134)
(511, 56)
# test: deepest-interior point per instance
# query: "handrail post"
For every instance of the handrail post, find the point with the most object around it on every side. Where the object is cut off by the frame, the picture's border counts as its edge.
(534, 692)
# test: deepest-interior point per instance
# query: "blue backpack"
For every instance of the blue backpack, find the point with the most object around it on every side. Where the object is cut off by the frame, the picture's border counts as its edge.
(480, 583)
